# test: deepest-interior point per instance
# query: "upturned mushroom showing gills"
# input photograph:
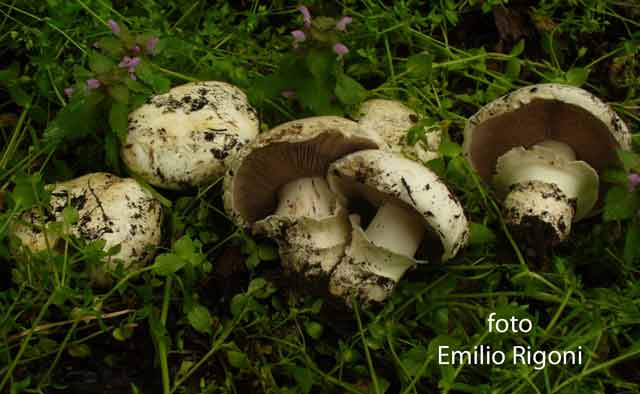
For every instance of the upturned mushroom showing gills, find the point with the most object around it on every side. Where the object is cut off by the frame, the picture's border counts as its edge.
(116, 210)
(184, 138)
(414, 210)
(277, 187)
(392, 120)
(542, 147)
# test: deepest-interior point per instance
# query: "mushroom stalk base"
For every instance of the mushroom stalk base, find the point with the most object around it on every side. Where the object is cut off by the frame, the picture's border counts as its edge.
(397, 229)
(305, 197)
(540, 212)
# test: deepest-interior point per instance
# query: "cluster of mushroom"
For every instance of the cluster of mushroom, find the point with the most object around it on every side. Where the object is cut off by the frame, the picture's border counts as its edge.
(348, 211)
(348, 202)
(178, 140)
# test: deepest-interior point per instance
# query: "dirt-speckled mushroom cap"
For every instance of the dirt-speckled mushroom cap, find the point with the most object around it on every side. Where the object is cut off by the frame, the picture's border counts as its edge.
(116, 210)
(535, 113)
(184, 138)
(379, 176)
(392, 119)
(297, 149)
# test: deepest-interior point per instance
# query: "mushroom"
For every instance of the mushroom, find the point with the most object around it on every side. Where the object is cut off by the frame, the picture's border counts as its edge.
(116, 210)
(413, 208)
(183, 138)
(542, 147)
(276, 186)
(392, 120)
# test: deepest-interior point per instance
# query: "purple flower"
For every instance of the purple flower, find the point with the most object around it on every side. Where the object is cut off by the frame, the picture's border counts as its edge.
(289, 93)
(69, 92)
(306, 15)
(113, 25)
(93, 84)
(342, 23)
(151, 45)
(634, 181)
(340, 49)
(129, 63)
(298, 35)
(136, 50)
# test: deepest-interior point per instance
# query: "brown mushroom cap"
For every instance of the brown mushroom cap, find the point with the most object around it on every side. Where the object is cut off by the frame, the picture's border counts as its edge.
(546, 111)
(296, 149)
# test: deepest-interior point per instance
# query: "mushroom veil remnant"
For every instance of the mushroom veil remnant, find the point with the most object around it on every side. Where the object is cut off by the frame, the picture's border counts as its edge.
(413, 208)
(184, 138)
(116, 210)
(391, 120)
(276, 186)
(542, 147)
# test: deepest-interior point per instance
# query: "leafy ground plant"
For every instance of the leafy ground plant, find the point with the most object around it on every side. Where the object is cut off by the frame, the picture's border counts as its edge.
(212, 313)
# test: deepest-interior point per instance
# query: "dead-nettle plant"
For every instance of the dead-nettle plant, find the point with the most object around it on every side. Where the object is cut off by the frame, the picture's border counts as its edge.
(312, 73)
(120, 77)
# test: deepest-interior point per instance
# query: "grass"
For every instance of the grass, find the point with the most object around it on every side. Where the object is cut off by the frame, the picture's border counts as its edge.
(226, 322)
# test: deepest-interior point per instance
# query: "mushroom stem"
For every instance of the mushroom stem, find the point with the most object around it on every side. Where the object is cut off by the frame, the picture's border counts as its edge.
(308, 197)
(540, 211)
(397, 229)
(561, 149)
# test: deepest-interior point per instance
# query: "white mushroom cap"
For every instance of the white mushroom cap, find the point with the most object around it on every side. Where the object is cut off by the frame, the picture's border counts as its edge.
(382, 177)
(309, 244)
(116, 210)
(183, 138)
(392, 119)
(536, 113)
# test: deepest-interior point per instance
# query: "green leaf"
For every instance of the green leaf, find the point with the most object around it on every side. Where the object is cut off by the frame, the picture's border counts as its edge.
(414, 359)
(200, 319)
(304, 377)
(112, 152)
(99, 63)
(615, 176)
(316, 96)
(79, 350)
(620, 204)
(18, 95)
(480, 234)
(577, 76)
(28, 189)
(188, 250)
(70, 214)
(313, 329)
(10, 73)
(159, 83)
(238, 359)
(420, 65)
(512, 70)
(631, 242)
(167, 264)
(119, 92)
(267, 252)
(349, 91)
(111, 45)
(517, 49)
(449, 148)
(321, 64)
(76, 120)
(238, 303)
(119, 119)
(630, 160)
